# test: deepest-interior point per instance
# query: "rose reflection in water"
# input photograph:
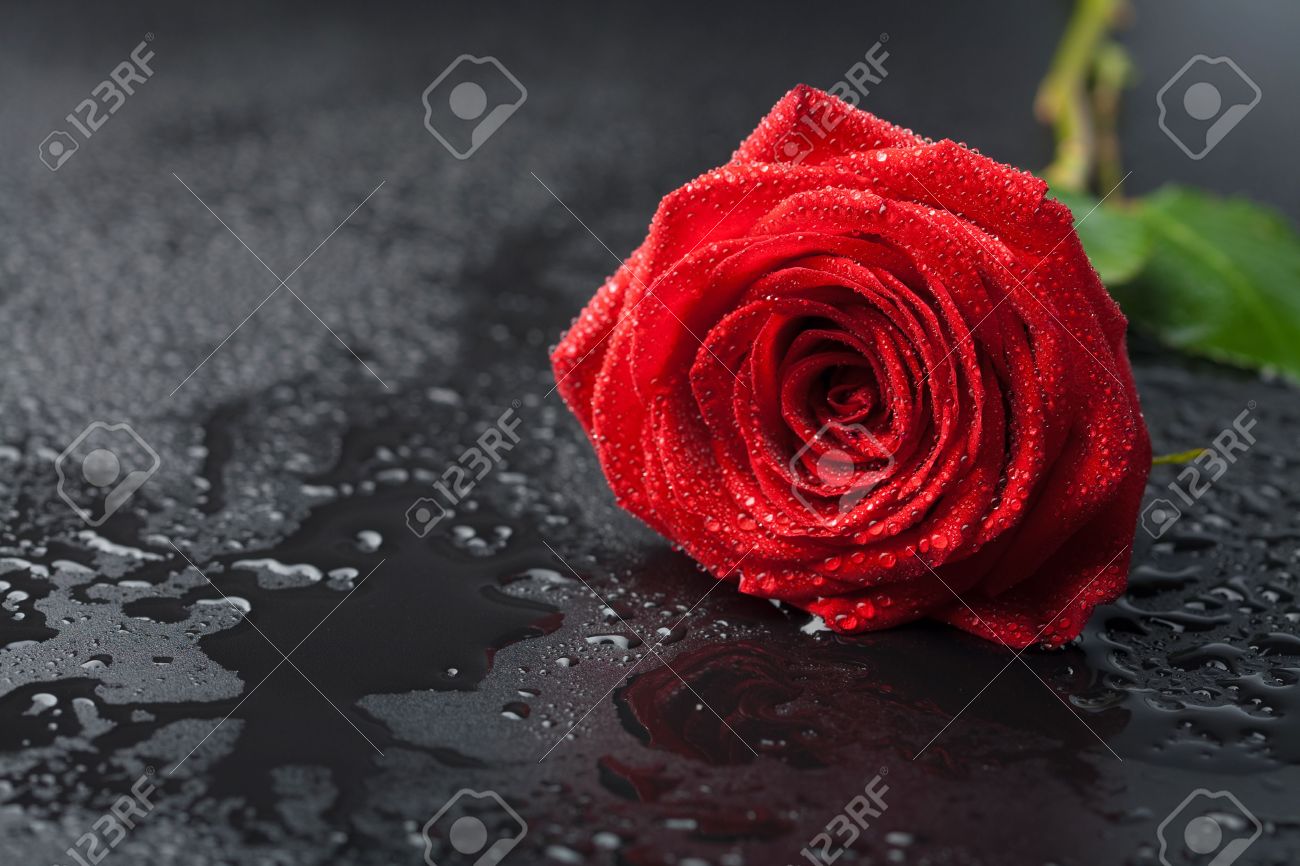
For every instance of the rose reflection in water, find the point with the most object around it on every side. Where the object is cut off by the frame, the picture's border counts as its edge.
(797, 710)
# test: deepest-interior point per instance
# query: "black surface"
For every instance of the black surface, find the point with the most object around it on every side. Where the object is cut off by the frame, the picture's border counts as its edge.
(450, 283)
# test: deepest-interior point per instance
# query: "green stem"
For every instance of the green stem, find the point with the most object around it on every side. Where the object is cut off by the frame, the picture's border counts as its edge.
(1178, 459)
(1112, 71)
(1063, 101)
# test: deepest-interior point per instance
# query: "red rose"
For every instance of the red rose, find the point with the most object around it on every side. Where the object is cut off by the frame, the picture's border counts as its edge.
(872, 376)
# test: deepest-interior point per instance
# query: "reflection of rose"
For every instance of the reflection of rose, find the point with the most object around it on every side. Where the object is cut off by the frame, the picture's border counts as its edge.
(832, 704)
(755, 700)
(889, 357)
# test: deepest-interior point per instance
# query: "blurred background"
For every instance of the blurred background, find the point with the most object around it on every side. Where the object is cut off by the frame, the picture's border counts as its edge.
(503, 648)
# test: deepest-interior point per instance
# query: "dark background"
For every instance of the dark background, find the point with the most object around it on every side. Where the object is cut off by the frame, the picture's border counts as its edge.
(450, 283)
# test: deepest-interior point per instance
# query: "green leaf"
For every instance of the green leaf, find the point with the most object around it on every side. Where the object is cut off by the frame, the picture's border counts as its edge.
(1113, 235)
(1222, 279)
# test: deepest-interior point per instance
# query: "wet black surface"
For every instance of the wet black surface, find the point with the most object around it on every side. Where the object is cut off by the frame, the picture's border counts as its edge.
(474, 657)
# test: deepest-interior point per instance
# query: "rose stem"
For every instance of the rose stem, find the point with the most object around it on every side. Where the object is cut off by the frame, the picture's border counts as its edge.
(1062, 99)
(1112, 71)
